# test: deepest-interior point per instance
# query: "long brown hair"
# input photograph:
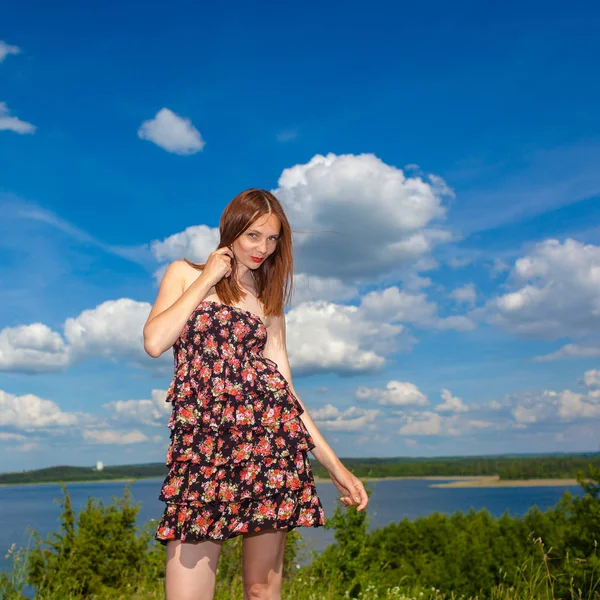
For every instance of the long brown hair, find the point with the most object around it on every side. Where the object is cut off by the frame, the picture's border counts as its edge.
(274, 277)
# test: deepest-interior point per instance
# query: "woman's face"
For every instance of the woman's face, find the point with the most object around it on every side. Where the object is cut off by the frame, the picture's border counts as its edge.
(258, 242)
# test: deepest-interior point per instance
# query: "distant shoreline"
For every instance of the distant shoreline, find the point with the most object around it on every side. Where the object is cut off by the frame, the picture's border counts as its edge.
(494, 481)
(59, 482)
(450, 481)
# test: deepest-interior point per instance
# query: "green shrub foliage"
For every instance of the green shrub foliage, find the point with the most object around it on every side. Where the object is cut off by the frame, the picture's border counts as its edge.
(100, 554)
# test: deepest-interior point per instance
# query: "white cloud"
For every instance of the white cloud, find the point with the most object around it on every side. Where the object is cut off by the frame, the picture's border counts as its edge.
(145, 412)
(524, 415)
(451, 403)
(6, 436)
(569, 351)
(172, 133)
(591, 378)
(330, 418)
(396, 393)
(466, 294)
(366, 218)
(194, 243)
(393, 304)
(31, 412)
(312, 287)
(557, 292)
(425, 423)
(475, 424)
(499, 266)
(6, 49)
(111, 436)
(354, 219)
(27, 447)
(459, 263)
(32, 348)
(8, 123)
(322, 336)
(112, 329)
(325, 412)
(572, 405)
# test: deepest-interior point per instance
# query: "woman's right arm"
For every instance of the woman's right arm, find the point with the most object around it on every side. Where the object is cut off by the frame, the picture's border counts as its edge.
(172, 308)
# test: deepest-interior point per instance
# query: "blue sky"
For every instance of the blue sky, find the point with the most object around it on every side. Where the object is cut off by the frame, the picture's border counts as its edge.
(452, 150)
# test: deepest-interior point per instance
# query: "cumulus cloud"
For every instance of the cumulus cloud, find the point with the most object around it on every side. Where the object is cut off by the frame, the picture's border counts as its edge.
(145, 412)
(112, 437)
(172, 133)
(425, 423)
(556, 292)
(331, 418)
(355, 219)
(31, 412)
(194, 243)
(524, 415)
(6, 49)
(32, 348)
(393, 304)
(552, 406)
(591, 378)
(312, 287)
(322, 336)
(451, 403)
(368, 217)
(572, 405)
(569, 351)
(8, 123)
(114, 329)
(467, 294)
(396, 393)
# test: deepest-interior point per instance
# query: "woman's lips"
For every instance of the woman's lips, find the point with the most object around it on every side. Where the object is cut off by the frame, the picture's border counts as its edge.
(257, 260)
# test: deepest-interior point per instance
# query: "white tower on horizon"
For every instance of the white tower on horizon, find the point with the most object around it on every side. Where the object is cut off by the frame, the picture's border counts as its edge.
(99, 466)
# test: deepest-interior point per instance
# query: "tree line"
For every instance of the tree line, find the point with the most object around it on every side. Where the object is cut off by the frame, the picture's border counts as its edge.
(506, 467)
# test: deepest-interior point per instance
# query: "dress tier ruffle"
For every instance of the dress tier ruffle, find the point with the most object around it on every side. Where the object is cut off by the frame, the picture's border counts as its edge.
(238, 457)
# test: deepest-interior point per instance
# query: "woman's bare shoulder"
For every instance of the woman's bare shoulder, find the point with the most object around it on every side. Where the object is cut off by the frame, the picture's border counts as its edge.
(189, 271)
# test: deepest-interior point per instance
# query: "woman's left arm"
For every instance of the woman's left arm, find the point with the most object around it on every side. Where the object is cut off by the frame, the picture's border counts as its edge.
(352, 490)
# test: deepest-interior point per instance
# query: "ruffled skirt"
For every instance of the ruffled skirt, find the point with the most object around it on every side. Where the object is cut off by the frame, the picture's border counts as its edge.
(238, 460)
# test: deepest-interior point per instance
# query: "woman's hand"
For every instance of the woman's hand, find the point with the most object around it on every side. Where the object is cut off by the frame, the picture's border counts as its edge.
(352, 490)
(218, 265)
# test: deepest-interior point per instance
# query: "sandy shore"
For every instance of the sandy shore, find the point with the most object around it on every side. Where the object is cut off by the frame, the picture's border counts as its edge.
(495, 481)
(450, 478)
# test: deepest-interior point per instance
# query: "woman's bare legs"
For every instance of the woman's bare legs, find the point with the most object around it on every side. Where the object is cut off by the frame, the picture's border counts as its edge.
(263, 564)
(191, 569)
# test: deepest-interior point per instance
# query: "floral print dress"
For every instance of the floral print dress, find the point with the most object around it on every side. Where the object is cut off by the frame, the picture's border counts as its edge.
(238, 458)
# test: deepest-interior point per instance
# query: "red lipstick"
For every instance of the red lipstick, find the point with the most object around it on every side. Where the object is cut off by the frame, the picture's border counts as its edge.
(257, 260)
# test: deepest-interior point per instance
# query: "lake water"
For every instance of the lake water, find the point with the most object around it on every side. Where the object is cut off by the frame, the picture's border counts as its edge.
(392, 500)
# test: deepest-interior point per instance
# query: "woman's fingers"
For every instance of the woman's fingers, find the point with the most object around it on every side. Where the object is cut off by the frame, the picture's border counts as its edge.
(357, 496)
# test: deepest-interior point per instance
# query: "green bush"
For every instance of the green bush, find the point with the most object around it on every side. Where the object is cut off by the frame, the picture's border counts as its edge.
(95, 552)
(100, 554)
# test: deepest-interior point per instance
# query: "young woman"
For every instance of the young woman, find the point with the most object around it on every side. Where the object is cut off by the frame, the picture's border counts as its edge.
(240, 435)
